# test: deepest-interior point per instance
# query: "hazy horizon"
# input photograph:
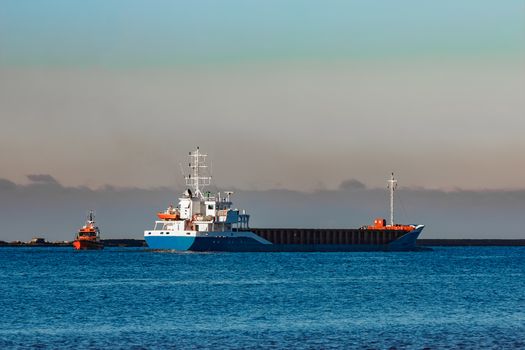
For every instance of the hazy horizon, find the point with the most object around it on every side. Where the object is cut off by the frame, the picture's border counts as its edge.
(291, 97)
(46, 208)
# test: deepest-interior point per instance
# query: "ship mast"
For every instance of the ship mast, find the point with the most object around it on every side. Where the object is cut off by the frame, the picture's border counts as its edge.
(392, 185)
(196, 179)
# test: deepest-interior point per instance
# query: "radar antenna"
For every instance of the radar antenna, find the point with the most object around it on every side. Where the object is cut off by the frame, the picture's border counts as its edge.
(196, 179)
(392, 185)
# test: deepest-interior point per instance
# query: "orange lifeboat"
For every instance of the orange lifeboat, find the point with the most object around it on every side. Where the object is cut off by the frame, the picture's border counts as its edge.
(169, 214)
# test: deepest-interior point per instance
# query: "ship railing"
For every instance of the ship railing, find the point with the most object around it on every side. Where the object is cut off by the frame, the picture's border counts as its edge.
(203, 221)
(162, 225)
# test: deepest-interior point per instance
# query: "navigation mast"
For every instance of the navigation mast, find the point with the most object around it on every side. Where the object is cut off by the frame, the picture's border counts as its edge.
(196, 179)
(91, 216)
(392, 185)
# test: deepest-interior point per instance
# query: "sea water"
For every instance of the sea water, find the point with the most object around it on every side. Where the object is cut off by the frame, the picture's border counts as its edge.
(464, 297)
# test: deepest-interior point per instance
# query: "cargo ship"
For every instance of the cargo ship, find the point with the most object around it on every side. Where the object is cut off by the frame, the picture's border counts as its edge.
(88, 237)
(206, 222)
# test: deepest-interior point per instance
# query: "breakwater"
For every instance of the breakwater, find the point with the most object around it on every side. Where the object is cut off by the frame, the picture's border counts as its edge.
(471, 242)
(130, 242)
(124, 242)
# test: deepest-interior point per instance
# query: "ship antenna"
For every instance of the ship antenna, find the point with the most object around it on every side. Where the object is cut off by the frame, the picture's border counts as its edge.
(196, 179)
(91, 216)
(392, 185)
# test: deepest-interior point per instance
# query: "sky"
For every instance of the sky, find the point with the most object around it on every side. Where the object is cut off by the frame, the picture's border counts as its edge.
(292, 97)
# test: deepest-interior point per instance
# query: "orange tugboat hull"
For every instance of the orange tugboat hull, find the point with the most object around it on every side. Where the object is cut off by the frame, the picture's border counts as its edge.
(87, 245)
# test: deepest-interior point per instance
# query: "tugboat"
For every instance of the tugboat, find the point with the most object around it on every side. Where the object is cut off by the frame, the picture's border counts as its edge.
(206, 222)
(88, 237)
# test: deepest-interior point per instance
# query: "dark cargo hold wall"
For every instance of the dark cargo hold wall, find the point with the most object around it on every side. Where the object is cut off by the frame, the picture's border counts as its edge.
(327, 236)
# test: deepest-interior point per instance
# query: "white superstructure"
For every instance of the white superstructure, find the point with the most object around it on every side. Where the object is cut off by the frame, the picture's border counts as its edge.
(201, 213)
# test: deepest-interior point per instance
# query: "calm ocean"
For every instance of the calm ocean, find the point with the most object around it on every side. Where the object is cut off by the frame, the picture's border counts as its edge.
(466, 297)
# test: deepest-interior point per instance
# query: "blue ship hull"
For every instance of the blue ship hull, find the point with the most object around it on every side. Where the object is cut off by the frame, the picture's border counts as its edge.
(406, 242)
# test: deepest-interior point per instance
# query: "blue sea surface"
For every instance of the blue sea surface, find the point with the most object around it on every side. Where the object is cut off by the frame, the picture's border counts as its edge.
(125, 298)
